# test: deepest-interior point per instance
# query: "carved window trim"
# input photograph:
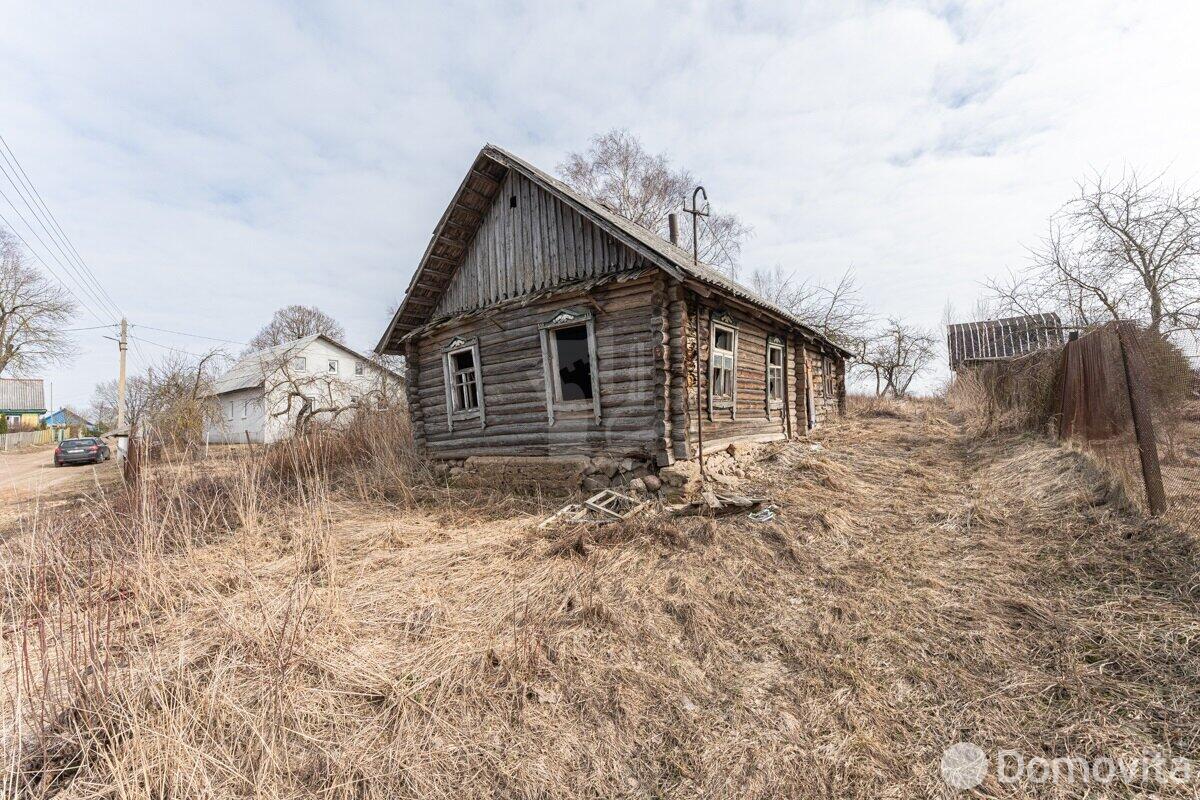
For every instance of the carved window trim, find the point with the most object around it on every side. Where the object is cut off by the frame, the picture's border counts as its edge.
(720, 320)
(455, 346)
(567, 318)
(775, 345)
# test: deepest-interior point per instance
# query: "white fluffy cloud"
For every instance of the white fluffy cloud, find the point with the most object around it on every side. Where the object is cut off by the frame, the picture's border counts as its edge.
(214, 163)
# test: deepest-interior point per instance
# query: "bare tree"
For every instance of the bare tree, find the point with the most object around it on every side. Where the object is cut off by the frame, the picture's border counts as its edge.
(295, 322)
(616, 170)
(837, 311)
(1121, 249)
(305, 398)
(896, 354)
(169, 399)
(33, 313)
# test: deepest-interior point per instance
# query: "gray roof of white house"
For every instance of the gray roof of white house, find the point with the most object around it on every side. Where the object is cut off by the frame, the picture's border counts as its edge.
(22, 394)
(251, 370)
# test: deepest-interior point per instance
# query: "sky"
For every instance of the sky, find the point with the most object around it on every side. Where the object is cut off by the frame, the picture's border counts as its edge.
(213, 162)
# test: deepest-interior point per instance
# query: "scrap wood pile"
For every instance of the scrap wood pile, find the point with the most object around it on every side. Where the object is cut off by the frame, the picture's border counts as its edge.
(610, 506)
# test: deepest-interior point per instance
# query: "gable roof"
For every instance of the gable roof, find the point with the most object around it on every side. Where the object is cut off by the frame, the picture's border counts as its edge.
(995, 339)
(22, 394)
(64, 416)
(454, 231)
(251, 370)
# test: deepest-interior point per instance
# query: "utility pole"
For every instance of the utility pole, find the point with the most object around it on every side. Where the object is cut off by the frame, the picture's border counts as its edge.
(122, 343)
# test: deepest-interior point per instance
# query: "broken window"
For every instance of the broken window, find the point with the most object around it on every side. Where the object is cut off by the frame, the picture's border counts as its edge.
(723, 364)
(569, 364)
(572, 363)
(463, 383)
(775, 373)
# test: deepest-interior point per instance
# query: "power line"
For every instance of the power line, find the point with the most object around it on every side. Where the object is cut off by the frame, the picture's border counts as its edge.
(49, 268)
(18, 169)
(164, 346)
(92, 328)
(79, 282)
(194, 335)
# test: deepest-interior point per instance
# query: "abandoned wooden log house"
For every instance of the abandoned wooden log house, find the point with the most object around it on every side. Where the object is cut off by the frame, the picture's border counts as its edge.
(541, 323)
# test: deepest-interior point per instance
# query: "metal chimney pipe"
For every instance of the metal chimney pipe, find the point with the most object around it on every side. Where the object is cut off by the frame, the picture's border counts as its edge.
(673, 224)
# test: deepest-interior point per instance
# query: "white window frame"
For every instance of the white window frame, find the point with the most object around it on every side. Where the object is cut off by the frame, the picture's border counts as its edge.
(719, 320)
(555, 405)
(775, 344)
(300, 363)
(459, 345)
(359, 368)
(229, 412)
(331, 366)
(245, 408)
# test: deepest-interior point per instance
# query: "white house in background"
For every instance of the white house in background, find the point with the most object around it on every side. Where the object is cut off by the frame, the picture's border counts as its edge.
(260, 397)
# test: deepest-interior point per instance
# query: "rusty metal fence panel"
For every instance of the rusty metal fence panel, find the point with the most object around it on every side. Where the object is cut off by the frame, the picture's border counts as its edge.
(1132, 399)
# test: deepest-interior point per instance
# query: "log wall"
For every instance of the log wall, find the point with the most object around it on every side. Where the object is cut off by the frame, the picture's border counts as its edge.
(631, 369)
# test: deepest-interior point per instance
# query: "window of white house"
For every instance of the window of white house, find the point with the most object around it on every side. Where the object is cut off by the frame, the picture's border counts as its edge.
(722, 377)
(300, 363)
(229, 411)
(333, 365)
(358, 368)
(464, 381)
(775, 374)
(246, 408)
(569, 362)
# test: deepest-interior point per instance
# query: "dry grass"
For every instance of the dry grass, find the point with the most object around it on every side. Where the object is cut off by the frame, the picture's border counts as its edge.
(339, 636)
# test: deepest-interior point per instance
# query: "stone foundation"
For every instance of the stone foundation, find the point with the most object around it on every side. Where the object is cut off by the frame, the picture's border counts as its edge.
(551, 474)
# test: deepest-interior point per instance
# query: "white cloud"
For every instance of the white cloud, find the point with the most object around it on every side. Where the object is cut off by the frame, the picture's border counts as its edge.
(215, 163)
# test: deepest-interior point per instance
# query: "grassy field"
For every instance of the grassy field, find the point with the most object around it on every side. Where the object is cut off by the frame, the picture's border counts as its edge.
(311, 623)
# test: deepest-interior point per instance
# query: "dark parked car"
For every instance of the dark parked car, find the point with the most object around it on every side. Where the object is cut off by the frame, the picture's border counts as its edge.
(80, 451)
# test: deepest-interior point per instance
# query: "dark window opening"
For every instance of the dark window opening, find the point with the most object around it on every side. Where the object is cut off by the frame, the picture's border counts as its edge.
(512, 201)
(574, 364)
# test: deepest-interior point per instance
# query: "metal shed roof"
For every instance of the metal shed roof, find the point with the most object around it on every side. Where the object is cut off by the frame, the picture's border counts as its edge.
(996, 339)
(22, 394)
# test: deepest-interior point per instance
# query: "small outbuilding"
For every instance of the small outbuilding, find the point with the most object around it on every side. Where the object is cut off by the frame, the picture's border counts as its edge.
(973, 344)
(539, 323)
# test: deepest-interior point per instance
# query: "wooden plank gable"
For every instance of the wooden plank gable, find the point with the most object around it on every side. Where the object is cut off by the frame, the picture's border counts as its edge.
(529, 240)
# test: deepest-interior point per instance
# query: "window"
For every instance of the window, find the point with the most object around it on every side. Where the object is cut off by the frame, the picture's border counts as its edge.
(569, 363)
(354, 399)
(358, 368)
(572, 364)
(465, 389)
(333, 366)
(722, 366)
(775, 374)
(229, 411)
(464, 381)
(300, 363)
(245, 408)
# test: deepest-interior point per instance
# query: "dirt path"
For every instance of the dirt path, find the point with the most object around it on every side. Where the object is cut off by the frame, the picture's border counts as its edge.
(29, 473)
